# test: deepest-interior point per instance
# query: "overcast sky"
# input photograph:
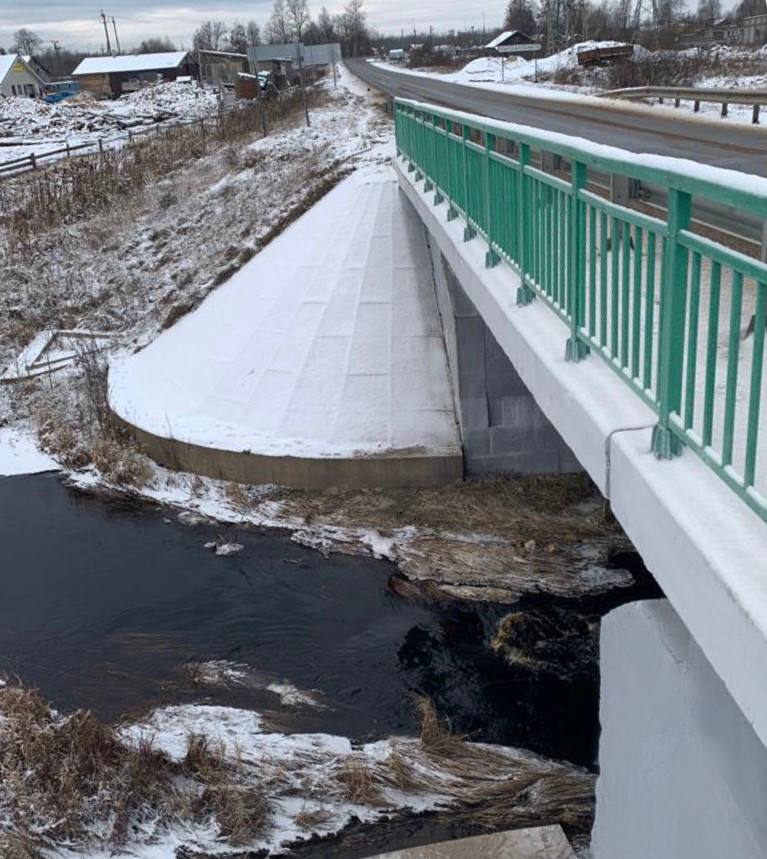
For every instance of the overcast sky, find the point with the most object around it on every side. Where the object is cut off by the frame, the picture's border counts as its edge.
(76, 23)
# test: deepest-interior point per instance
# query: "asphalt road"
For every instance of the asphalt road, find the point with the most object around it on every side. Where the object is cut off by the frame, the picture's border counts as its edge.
(723, 144)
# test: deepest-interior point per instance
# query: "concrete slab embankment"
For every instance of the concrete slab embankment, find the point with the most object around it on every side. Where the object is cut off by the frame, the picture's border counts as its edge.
(320, 363)
(540, 842)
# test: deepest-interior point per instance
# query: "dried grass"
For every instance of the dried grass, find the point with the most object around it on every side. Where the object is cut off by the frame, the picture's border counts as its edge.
(311, 819)
(241, 812)
(436, 736)
(75, 188)
(74, 781)
(120, 462)
(358, 781)
(19, 845)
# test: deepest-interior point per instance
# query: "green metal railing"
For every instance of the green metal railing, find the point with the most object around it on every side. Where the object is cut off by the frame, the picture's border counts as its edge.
(680, 318)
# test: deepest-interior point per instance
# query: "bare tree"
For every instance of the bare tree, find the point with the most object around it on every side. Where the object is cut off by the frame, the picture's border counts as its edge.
(253, 32)
(209, 36)
(278, 26)
(237, 41)
(709, 10)
(520, 15)
(326, 26)
(298, 18)
(352, 25)
(156, 46)
(25, 41)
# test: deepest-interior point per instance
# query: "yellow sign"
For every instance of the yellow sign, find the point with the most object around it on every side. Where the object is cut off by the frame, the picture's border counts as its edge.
(19, 67)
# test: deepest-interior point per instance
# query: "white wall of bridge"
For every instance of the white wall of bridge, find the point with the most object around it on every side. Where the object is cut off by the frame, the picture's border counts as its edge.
(683, 774)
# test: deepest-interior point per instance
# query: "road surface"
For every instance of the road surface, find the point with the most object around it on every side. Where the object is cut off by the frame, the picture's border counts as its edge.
(737, 147)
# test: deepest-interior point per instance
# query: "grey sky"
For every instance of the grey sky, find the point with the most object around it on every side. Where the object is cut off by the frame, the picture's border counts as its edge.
(75, 22)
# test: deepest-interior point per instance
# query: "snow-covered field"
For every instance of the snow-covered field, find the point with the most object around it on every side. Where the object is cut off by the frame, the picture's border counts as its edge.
(31, 125)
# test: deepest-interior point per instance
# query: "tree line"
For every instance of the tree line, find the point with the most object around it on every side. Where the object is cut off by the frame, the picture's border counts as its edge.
(657, 22)
(289, 21)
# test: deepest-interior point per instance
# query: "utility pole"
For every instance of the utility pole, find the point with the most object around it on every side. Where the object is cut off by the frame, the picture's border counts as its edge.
(117, 39)
(106, 30)
(57, 50)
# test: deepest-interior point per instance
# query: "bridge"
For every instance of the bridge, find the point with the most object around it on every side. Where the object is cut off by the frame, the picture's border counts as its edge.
(490, 304)
(641, 339)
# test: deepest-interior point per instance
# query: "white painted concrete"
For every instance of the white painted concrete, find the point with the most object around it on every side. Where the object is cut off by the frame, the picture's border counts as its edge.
(584, 402)
(709, 554)
(327, 344)
(707, 550)
(683, 774)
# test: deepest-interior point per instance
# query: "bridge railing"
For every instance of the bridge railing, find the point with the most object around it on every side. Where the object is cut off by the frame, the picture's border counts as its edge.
(678, 316)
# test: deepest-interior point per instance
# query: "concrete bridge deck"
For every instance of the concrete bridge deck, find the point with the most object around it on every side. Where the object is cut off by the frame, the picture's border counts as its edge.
(321, 362)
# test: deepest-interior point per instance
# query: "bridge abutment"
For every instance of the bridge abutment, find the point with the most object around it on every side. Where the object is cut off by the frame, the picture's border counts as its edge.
(682, 772)
(502, 427)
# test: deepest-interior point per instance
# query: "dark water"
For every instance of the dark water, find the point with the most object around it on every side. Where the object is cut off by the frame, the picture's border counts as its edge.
(102, 601)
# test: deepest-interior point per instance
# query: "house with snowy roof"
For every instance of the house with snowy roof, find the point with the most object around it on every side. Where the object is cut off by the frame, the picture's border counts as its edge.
(510, 41)
(18, 78)
(111, 76)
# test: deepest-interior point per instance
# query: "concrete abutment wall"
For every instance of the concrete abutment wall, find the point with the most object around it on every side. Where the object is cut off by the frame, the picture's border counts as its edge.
(683, 773)
(502, 427)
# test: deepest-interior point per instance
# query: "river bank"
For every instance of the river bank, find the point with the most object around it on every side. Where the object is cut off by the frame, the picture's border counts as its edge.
(143, 615)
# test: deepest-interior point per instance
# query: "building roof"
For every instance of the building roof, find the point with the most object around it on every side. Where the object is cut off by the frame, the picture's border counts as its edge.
(7, 61)
(131, 63)
(507, 34)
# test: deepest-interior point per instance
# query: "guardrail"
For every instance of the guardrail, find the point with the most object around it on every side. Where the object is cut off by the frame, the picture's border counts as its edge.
(663, 306)
(755, 97)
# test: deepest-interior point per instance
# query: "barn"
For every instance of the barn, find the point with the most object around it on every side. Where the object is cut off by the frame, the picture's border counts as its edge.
(17, 77)
(112, 76)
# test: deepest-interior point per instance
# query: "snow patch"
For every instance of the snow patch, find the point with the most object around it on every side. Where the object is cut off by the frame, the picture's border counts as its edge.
(19, 454)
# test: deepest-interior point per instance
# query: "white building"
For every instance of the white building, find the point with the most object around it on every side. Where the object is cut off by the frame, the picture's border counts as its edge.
(18, 78)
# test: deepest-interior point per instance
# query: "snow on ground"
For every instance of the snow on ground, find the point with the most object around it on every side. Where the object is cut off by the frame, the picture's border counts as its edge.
(31, 125)
(19, 454)
(320, 783)
(326, 344)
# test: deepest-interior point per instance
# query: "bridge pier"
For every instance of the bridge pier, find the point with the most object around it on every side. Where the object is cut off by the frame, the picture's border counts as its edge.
(683, 773)
(502, 427)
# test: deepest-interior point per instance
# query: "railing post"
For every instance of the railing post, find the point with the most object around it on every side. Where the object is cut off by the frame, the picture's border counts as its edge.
(419, 123)
(525, 293)
(468, 232)
(575, 349)
(430, 135)
(672, 324)
(410, 139)
(491, 257)
(452, 212)
(444, 159)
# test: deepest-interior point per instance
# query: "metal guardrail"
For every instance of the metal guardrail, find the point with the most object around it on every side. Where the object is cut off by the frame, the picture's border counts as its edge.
(755, 97)
(660, 304)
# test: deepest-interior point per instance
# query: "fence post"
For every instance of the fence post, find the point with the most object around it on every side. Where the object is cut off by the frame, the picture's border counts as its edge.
(33, 160)
(491, 257)
(101, 146)
(468, 231)
(575, 349)
(672, 324)
(525, 293)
